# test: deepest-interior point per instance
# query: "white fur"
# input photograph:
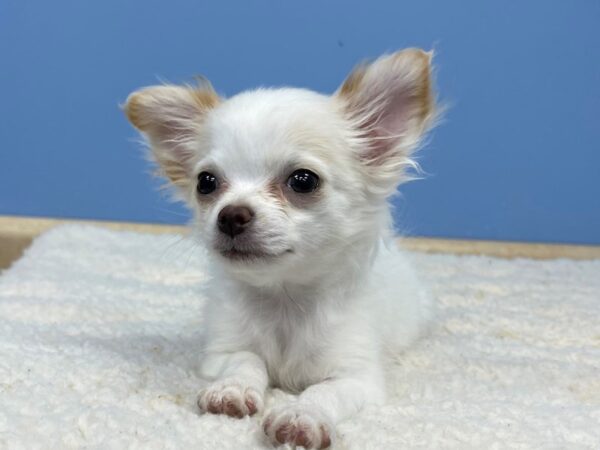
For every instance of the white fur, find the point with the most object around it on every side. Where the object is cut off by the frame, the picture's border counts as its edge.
(337, 298)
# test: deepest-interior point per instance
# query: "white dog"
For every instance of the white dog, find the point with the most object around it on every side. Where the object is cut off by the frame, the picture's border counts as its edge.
(289, 190)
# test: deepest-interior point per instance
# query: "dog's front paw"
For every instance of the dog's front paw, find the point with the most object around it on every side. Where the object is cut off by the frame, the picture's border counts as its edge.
(231, 397)
(299, 425)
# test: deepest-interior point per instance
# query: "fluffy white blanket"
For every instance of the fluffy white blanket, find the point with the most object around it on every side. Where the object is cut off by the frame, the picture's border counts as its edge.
(99, 336)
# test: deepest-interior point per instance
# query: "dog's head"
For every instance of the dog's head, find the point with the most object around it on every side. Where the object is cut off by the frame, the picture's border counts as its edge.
(284, 181)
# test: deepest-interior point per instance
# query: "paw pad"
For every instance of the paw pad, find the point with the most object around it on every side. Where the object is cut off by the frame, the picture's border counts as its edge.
(304, 427)
(230, 398)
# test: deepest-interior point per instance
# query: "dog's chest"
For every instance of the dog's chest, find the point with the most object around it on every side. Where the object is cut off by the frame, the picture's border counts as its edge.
(293, 346)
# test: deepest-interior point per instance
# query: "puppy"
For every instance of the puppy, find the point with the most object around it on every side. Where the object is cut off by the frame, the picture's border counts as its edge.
(289, 192)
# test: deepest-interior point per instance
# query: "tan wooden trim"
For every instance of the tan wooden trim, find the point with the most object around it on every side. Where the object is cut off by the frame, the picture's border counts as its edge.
(503, 249)
(16, 233)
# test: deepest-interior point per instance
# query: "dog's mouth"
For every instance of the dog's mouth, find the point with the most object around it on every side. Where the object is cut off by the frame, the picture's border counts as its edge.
(238, 255)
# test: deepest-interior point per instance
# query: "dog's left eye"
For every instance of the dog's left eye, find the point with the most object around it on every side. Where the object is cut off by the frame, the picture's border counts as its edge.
(207, 183)
(303, 181)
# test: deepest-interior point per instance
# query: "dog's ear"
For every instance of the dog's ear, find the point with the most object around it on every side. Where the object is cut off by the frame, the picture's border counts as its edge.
(171, 118)
(391, 104)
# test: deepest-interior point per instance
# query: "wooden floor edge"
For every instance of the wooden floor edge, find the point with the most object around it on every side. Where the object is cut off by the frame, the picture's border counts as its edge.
(17, 233)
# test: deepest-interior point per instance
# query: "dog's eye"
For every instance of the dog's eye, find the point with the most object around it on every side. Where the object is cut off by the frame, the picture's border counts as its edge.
(303, 181)
(207, 183)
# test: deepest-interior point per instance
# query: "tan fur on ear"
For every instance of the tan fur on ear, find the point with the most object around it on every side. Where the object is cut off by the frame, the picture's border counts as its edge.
(352, 83)
(423, 92)
(171, 118)
(390, 104)
(143, 107)
(420, 92)
(134, 110)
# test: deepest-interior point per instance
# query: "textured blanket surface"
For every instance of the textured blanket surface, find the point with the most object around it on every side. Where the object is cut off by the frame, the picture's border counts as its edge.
(99, 334)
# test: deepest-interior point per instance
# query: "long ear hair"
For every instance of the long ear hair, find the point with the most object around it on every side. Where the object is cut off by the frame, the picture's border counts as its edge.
(171, 117)
(391, 105)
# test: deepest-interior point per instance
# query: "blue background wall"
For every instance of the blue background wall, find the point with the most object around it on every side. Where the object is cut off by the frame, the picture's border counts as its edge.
(518, 156)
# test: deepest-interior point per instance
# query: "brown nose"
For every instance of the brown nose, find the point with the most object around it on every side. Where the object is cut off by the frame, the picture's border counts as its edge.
(234, 220)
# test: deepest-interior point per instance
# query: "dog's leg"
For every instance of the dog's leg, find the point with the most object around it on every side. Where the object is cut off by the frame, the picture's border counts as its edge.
(309, 421)
(239, 388)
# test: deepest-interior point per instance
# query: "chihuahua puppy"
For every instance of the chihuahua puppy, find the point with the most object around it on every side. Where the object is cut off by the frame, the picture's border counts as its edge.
(289, 192)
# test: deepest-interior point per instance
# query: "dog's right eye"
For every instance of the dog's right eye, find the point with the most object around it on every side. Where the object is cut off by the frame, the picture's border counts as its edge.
(303, 181)
(207, 183)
